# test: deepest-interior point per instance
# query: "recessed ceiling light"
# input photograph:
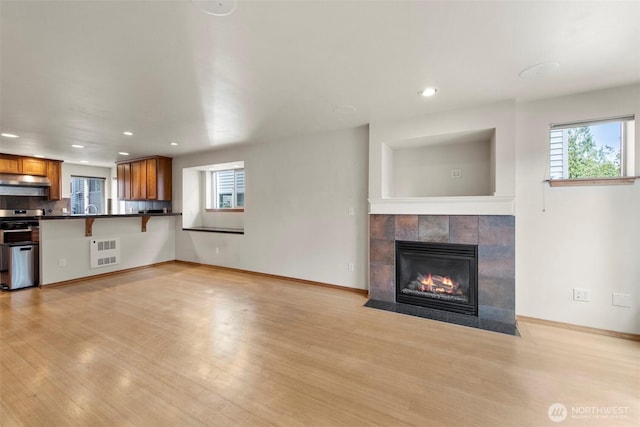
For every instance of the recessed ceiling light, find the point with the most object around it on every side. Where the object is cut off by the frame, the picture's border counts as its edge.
(9, 135)
(122, 153)
(84, 161)
(430, 91)
(216, 7)
(539, 70)
(173, 143)
(127, 133)
(40, 156)
(77, 146)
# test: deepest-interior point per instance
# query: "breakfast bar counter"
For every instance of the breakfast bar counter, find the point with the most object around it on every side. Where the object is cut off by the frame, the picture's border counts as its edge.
(90, 219)
(73, 247)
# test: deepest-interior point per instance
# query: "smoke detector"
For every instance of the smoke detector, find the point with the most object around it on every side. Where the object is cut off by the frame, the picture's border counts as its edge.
(216, 7)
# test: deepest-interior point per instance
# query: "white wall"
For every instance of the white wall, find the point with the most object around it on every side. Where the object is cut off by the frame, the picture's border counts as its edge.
(65, 239)
(189, 199)
(296, 221)
(585, 237)
(499, 115)
(426, 171)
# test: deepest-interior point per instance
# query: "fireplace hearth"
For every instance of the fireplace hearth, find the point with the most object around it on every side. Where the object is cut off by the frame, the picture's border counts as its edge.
(441, 276)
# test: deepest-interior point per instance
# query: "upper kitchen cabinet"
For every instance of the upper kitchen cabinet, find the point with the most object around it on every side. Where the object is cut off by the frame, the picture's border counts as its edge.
(34, 166)
(139, 180)
(10, 163)
(54, 173)
(123, 173)
(22, 165)
(145, 179)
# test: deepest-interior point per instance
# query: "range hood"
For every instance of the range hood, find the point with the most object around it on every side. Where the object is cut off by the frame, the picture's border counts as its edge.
(23, 185)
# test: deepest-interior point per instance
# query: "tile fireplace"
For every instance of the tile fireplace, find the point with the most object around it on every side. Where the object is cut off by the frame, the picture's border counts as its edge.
(468, 278)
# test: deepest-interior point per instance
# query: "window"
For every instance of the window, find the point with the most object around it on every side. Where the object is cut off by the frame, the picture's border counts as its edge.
(227, 189)
(87, 195)
(592, 149)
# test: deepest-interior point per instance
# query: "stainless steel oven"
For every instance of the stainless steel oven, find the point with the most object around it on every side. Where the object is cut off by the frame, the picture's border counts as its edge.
(19, 248)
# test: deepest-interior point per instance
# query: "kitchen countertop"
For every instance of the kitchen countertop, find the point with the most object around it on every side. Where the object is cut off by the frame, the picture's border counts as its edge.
(215, 230)
(24, 243)
(133, 215)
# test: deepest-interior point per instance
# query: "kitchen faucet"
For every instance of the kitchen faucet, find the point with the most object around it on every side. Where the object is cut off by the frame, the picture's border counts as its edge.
(88, 209)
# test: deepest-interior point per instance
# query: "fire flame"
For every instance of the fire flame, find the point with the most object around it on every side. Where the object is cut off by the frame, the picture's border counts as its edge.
(427, 283)
(438, 284)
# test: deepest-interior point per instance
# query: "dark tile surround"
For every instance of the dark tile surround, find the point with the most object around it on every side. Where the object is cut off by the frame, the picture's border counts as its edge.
(495, 237)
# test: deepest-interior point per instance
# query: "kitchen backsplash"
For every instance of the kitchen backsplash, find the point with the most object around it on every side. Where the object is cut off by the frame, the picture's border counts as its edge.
(135, 206)
(27, 202)
(56, 207)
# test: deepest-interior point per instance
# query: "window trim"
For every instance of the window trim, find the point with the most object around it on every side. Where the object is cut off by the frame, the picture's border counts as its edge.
(578, 123)
(583, 182)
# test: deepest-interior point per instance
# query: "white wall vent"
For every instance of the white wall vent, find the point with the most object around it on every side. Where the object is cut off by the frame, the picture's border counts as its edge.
(104, 252)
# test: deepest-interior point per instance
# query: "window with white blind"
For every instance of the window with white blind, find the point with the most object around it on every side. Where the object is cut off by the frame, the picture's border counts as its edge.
(87, 195)
(594, 149)
(227, 189)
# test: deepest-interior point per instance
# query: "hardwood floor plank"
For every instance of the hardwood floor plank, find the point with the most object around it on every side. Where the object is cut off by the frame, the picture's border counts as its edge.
(190, 345)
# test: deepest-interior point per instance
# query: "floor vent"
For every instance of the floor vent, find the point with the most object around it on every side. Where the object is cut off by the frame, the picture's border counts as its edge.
(104, 252)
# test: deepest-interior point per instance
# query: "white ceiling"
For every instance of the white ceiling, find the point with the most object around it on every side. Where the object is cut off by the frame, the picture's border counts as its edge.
(82, 72)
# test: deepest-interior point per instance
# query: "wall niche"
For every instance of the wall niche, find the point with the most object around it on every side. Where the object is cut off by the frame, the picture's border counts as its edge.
(448, 165)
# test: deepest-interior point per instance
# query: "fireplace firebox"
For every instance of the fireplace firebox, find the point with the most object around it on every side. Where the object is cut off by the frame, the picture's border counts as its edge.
(441, 276)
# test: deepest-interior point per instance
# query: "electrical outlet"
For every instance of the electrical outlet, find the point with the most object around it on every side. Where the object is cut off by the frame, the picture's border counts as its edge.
(217, 250)
(621, 300)
(62, 262)
(350, 266)
(351, 211)
(583, 295)
(456, 173)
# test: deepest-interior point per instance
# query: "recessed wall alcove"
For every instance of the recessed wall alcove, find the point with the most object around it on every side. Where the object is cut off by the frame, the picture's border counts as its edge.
(452, 164)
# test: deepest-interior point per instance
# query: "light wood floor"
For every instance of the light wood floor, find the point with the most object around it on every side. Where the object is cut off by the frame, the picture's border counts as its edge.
(185, 345)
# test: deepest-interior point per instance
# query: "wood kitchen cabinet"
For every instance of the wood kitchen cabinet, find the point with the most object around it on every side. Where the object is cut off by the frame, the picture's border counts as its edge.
(54, 173)
(123, 173)
(145, 179)
(139, 180)
(22, 165)
(163, 178)
(10, 163)
(151, 169)
(34, 166)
